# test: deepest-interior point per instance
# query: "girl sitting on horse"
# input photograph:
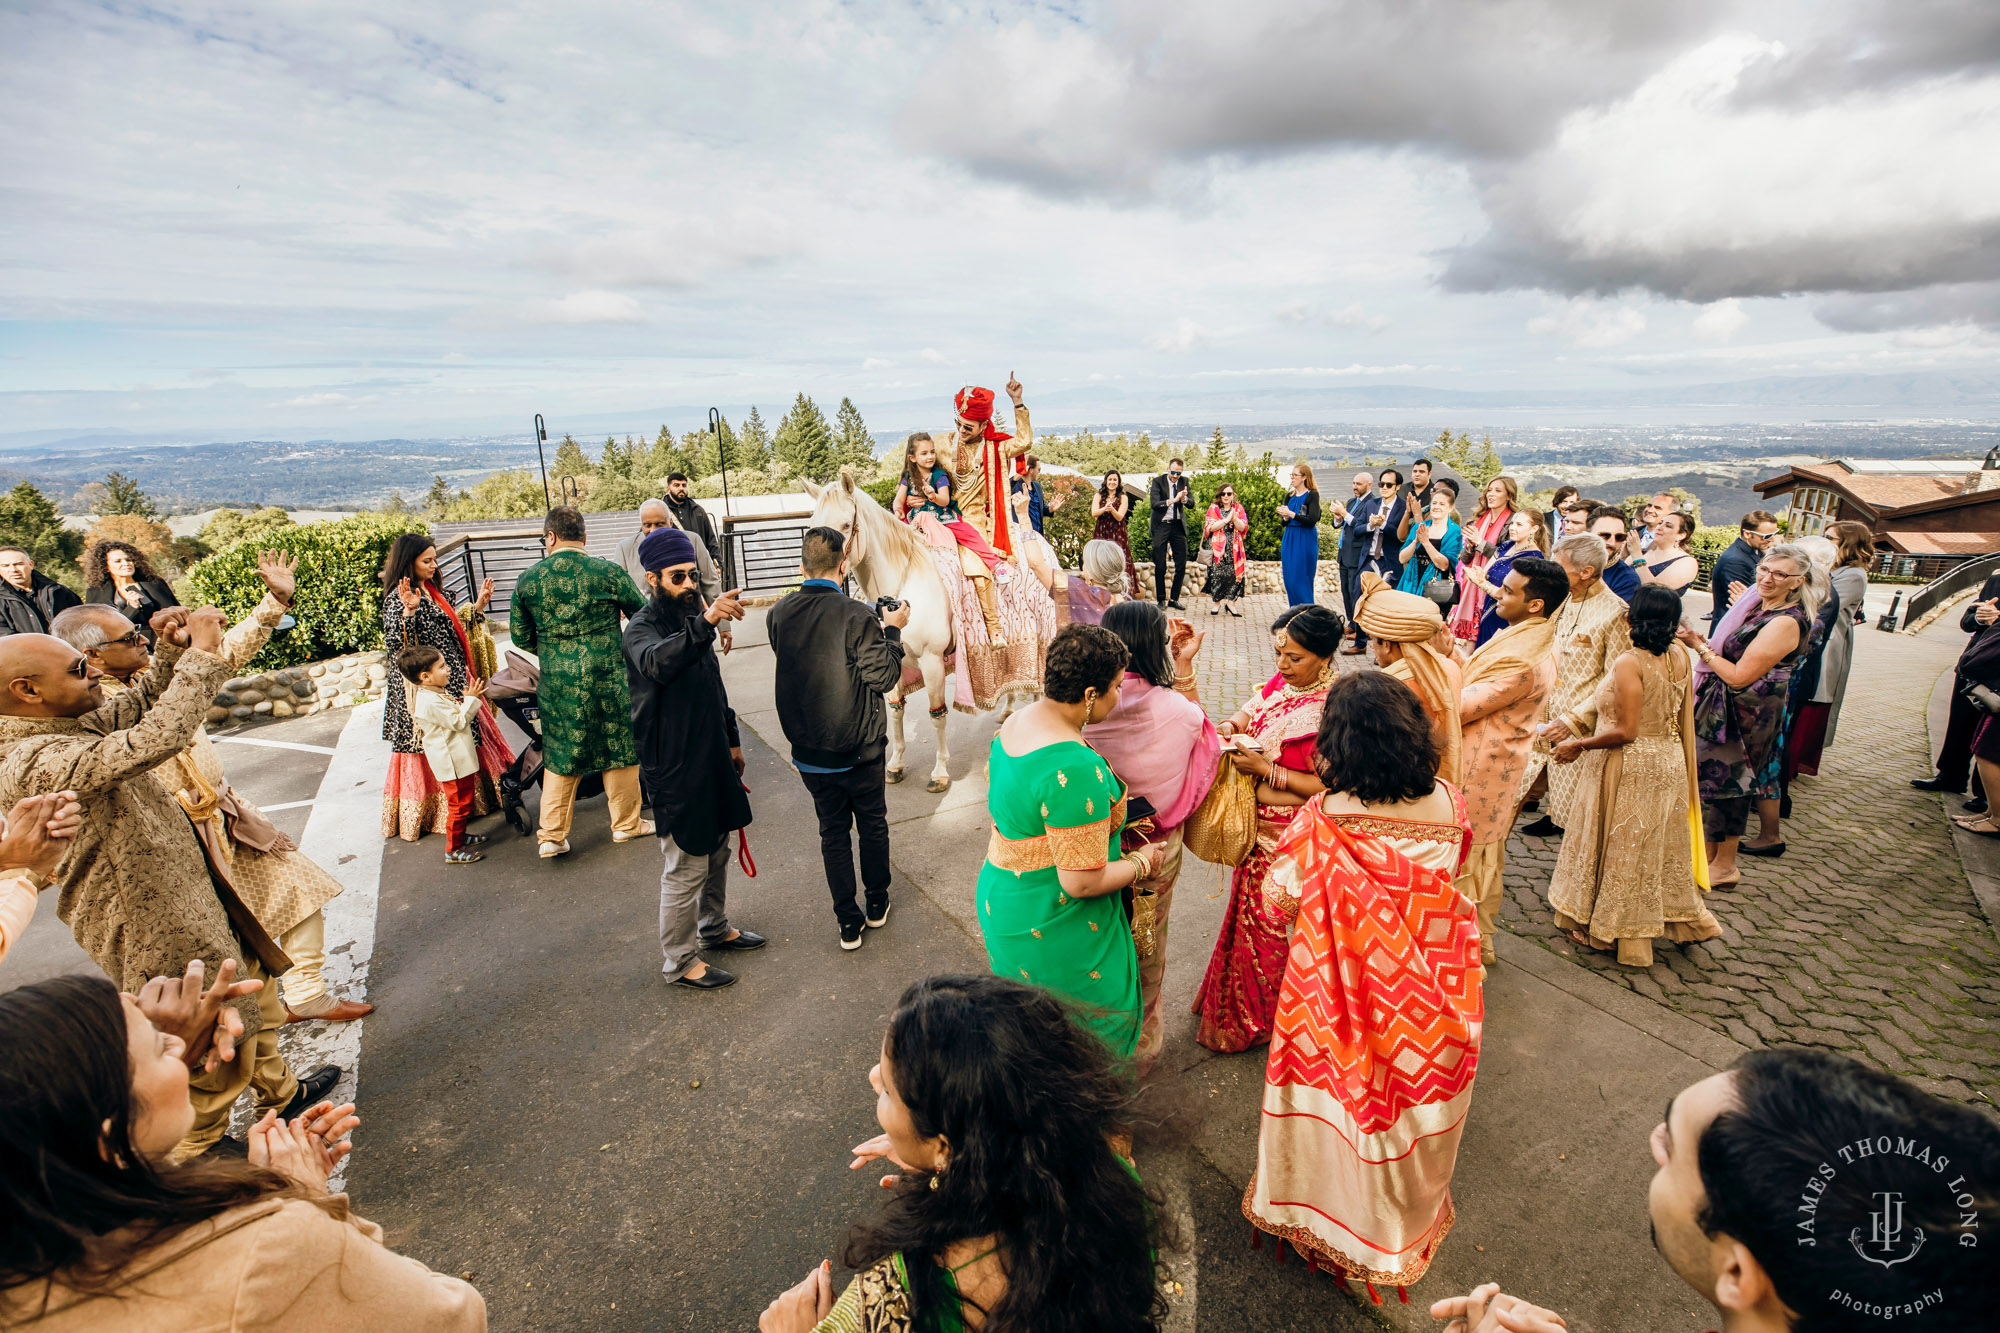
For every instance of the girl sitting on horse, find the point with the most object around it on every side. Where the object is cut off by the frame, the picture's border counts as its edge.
(927, 491)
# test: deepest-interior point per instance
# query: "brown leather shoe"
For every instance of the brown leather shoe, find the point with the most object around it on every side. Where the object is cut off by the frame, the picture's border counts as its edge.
(343, 1011)
(1352, 650)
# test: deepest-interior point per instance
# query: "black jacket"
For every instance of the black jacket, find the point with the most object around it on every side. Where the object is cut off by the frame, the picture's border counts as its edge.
(1156, 495)
(1737, 564)
(30, 612)
(835, 661)
(694, 520)
(1981, 659)
(684, 727)
(154, 595)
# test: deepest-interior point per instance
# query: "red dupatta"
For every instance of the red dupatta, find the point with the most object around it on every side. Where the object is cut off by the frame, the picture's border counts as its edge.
(457, 625)
(1226, 543)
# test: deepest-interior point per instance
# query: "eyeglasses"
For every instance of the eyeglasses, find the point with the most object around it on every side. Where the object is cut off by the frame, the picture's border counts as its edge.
(677, 578)
(1773, 572)
(132, 640)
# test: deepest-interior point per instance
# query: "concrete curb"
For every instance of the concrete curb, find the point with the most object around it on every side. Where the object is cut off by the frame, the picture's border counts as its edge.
(1629, 1007)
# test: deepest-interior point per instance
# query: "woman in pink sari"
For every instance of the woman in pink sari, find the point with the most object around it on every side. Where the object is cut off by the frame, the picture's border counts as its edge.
(1239, 993)
(1162, 746)
(1378, 1023)
(1484, 533)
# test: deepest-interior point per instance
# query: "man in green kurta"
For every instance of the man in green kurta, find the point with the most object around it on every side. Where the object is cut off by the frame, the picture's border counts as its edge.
(569, 608)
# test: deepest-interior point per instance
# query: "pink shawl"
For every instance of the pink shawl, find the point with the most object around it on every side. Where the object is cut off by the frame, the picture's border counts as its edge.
(1162, 747)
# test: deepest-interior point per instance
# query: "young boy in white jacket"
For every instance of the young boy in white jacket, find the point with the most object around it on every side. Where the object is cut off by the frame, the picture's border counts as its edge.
(451, 745)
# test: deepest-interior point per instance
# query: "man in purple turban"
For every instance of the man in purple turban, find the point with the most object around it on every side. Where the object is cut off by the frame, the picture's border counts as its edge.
(690, 756)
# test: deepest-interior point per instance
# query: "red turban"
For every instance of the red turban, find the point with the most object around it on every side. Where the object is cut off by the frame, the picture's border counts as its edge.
(976, 405)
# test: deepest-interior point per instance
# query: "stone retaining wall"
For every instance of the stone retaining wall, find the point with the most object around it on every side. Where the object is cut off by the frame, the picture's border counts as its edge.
(338, 682)
(1260, 578)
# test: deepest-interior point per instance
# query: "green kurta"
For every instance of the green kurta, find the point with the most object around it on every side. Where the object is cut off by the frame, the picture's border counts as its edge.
(566, 611)
(1059, 806)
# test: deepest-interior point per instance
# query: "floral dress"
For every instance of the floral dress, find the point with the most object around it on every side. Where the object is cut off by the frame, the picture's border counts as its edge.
(1739, 732)
(1224, 550)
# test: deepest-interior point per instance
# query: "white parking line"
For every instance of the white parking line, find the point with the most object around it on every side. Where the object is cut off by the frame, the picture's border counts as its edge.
(276, 745)
(285, 805)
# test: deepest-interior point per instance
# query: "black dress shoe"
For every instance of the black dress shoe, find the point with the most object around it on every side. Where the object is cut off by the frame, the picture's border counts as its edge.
(313, 1087)
(713, 979)
(1768, 849)
(745, 940)
(1542, 828)
(1936, 784)
(1975, 806)
(1177, 604)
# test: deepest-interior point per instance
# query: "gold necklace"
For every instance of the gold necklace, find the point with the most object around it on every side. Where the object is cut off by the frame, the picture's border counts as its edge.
(1326, 676)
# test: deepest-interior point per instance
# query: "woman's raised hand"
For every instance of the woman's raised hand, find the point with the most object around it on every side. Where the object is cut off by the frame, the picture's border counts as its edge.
(1184, 643)
(877, 1149)
(407, 596)
(277, 571)
(485, 593)
(801, 1308)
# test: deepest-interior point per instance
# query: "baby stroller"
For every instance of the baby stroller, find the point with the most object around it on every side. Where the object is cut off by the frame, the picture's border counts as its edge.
(512, 691)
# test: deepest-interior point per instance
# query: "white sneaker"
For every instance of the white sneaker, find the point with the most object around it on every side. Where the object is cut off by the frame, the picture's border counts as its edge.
(646, 830)
(551, 850)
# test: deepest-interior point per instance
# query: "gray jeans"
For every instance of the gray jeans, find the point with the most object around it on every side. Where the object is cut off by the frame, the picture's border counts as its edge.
(693, 912)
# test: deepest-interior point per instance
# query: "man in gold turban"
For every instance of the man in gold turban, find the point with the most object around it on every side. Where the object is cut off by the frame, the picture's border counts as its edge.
(1401, 628)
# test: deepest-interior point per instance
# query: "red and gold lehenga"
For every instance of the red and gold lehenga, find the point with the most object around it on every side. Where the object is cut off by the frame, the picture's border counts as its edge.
(413, 802)
(1239, 993)
(1375, 1045)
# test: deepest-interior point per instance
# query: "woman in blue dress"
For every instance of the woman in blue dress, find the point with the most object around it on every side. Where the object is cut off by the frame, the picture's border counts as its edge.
(1435, 543)
(1298, 550)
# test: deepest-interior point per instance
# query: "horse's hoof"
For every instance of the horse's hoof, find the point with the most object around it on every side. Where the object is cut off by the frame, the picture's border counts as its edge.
(938, 785)
(894, 775)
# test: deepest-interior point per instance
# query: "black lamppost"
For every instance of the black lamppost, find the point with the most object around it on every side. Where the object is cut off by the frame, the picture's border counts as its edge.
(541, 436)
(715, 428)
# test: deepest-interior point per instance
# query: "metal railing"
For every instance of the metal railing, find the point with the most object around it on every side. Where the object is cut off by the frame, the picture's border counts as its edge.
(1967, 574)
(762, 556)
(470, 558)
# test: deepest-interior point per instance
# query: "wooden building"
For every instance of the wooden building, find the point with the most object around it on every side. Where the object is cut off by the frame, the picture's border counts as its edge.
(1928, 512)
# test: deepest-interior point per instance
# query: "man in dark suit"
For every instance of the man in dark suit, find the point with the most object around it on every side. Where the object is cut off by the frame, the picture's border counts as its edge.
(1735, 571)
(1169, 498)
(1353, 541)
(1378, 518)
(1979, 663)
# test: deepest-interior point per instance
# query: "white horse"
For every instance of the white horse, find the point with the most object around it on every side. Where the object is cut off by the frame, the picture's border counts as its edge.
(888, 559)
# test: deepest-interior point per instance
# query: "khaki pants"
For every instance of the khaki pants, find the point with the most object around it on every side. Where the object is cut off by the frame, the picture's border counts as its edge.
(621, 790)
(257, 1066)
(1480, 881)
(305, 943)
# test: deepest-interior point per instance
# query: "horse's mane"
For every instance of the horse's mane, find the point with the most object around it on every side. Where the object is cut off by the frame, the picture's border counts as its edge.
(883, 526)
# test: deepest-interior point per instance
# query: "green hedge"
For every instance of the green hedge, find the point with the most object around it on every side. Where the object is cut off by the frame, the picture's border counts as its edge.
(339, 604)
(1259, 495)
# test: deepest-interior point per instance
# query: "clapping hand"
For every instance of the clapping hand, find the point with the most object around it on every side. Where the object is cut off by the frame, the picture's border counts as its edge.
(877, 1149)
(39, 829)
(1183, 644)
(800, 1309)
(407, 596)
(1736, 590)
(307, 1149)
(1489, 1310)
(474, 687)
(276, 569)
(203, 1019)
(1987, 611)
(1692, 637)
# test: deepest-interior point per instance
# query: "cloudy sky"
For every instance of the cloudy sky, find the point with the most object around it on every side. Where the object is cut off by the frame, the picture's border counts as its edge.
(314, 216)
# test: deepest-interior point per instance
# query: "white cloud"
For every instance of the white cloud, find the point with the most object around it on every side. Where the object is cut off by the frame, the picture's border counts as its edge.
(1350, 316)
(877, 363)
(1355, 368)
(1587, 323)
(1185, 336)
(1719, 321)
(591, 307)
(934, 356)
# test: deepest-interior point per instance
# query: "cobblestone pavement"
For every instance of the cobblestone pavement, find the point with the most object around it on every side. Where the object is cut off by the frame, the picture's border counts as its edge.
(1863, 938)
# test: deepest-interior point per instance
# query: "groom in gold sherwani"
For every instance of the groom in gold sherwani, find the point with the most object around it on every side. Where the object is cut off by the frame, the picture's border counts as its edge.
(1590, 634)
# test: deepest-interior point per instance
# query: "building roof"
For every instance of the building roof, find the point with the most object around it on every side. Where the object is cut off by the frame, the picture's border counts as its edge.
(1941, 543)
(1868, 481)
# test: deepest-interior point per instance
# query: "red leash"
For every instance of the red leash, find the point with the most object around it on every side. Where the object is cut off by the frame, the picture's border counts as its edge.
(743, 857)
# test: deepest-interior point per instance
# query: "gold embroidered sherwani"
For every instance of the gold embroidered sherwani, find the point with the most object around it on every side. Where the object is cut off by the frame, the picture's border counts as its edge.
(1590, 634)
(970, 469)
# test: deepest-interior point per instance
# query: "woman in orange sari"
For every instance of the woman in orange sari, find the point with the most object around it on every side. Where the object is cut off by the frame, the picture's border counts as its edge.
(1239, 993)
(1378, 1023)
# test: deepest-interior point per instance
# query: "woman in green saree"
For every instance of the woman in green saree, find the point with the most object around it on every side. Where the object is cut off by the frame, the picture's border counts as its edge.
(1050, 898)
(1011, 1211)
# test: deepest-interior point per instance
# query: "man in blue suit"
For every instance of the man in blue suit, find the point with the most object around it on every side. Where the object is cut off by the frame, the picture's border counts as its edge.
(1373, 522)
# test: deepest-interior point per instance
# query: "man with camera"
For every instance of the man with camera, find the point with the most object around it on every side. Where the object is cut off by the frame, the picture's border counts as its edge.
(835, 661)
(1168, 496)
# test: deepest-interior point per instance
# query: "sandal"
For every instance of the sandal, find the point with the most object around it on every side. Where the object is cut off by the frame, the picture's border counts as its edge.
(1973, 826)
(463, 857)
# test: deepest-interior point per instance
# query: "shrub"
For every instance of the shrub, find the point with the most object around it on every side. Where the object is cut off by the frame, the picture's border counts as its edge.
(1259, 495)
(339, 602)
(226, 527)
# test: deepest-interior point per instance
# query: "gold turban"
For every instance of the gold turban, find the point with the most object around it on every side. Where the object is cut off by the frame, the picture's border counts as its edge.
(1410, 621)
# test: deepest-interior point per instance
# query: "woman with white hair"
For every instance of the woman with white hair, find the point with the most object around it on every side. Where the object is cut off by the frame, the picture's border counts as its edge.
(1103, 583)
(1740, 693)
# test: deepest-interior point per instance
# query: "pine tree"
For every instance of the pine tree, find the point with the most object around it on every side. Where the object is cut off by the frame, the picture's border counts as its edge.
(715, 452)
(123, 496)
(1218, 452)
(438, 498)
(571, 460)
(666, 458)
(853, 445)
(1240, 458)
(755, 443)
(703, 459)
(30, 520)
(396, 504)
(804, 443)
(617, 459)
